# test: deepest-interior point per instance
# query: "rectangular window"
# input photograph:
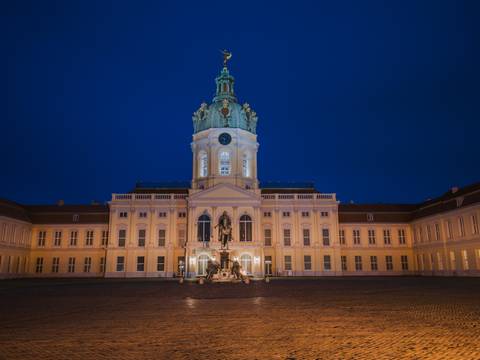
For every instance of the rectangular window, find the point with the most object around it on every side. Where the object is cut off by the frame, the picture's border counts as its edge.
(401, 237)
(420, 233)
(358, 263)
(449, 229)
(306, 237)
(120, 263)
(87, 265)
(142, 214)
(39, 265)
(324, 213)
(55, 264)
(42, 235)
(104, 237)
(373, 263)
(327, 263)
(286, 237)
(465, 260)
(437, 232)
(89, 238)
(404, 261)
(141, 237)
(102, 264)
(73, 238)
(162, 214)
(123, 214)
(267, 214)
(389, 262)
(341, 236)
(181, 237)
(307, 262)
(71, 264)
(122, 237)
(356, 237)
(474, 224)
(440, 261)
(267, 237)
(386, 237)
(286, 213)
(57, 239)
(161, 237)
(160, 263)
(429, 234)
(182, 214)
(343, 260)
(371, 237)
(140, 263)
(305, 214)
(288, 262)
(326, 237)
(432, 262)
(461, 225)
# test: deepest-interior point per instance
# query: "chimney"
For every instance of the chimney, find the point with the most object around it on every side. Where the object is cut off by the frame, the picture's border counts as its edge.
(60, 202)
(454, 189)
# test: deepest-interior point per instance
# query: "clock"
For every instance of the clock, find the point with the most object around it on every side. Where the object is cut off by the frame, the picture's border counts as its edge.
(224, 138)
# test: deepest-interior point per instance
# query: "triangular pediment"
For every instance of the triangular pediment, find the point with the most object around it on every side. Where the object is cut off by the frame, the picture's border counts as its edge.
(225, 192)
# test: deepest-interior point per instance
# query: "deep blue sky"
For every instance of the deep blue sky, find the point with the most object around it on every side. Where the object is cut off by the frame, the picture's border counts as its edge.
(375, 100)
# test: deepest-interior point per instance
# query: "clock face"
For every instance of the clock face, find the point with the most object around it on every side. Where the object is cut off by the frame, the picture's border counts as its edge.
(224, 139)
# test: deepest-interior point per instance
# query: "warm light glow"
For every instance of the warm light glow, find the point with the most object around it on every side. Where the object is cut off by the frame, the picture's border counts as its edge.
(256, 259)
(192, 260)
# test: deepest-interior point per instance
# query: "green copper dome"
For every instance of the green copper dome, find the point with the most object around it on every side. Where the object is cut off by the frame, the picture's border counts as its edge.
(225, 111)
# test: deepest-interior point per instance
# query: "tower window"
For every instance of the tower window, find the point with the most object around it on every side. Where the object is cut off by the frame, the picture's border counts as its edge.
(225, 163)
(203, 168)
(246, 166)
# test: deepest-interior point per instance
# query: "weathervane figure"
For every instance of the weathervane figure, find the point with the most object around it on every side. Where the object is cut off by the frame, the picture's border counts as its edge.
(227, 55)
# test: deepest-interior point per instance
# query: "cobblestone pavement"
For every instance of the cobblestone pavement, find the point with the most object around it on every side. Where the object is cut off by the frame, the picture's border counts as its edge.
(338, 318)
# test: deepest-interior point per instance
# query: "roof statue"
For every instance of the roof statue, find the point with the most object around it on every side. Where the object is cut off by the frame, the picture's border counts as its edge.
(227, 55)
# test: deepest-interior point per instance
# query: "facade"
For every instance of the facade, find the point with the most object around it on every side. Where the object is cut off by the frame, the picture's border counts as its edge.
(161, 230)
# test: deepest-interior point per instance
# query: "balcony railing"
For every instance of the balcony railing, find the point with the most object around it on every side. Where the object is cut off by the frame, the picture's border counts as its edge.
(299, 197)
(149, 196)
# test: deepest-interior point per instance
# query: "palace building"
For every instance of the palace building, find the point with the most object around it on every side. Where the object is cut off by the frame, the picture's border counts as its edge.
(160, 229)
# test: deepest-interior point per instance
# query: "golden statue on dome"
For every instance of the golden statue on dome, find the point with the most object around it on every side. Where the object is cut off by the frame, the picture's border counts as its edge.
(227, 55)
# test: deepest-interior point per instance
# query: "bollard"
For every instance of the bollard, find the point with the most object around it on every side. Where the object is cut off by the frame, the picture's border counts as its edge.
(180, 281)
(201, 281)
(267, 279)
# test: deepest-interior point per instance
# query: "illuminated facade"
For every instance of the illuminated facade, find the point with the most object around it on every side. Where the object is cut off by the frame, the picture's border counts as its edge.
(278, 230)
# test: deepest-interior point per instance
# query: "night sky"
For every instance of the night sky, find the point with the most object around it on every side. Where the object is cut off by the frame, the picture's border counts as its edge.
(377, 101)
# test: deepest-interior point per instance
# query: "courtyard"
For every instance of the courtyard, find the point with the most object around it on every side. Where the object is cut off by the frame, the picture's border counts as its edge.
(327, 318)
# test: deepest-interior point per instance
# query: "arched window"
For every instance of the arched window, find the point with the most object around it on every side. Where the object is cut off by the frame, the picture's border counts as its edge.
(202, 264)
(203, 164)
(224, 163)
(245, 228)
(246, 263)
(246, 165)
(204, 228)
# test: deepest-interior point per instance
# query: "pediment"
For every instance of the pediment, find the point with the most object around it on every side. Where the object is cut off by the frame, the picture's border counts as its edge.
(225, 192)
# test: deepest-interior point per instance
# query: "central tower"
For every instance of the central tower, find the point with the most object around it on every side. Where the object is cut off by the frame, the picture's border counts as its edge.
(224, 142)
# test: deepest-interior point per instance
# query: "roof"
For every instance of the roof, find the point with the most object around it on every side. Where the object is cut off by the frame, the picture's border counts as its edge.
(166, 187)
(279, 187)
(13, 210)
(67, 214)
(451, 200)
(377, 213)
